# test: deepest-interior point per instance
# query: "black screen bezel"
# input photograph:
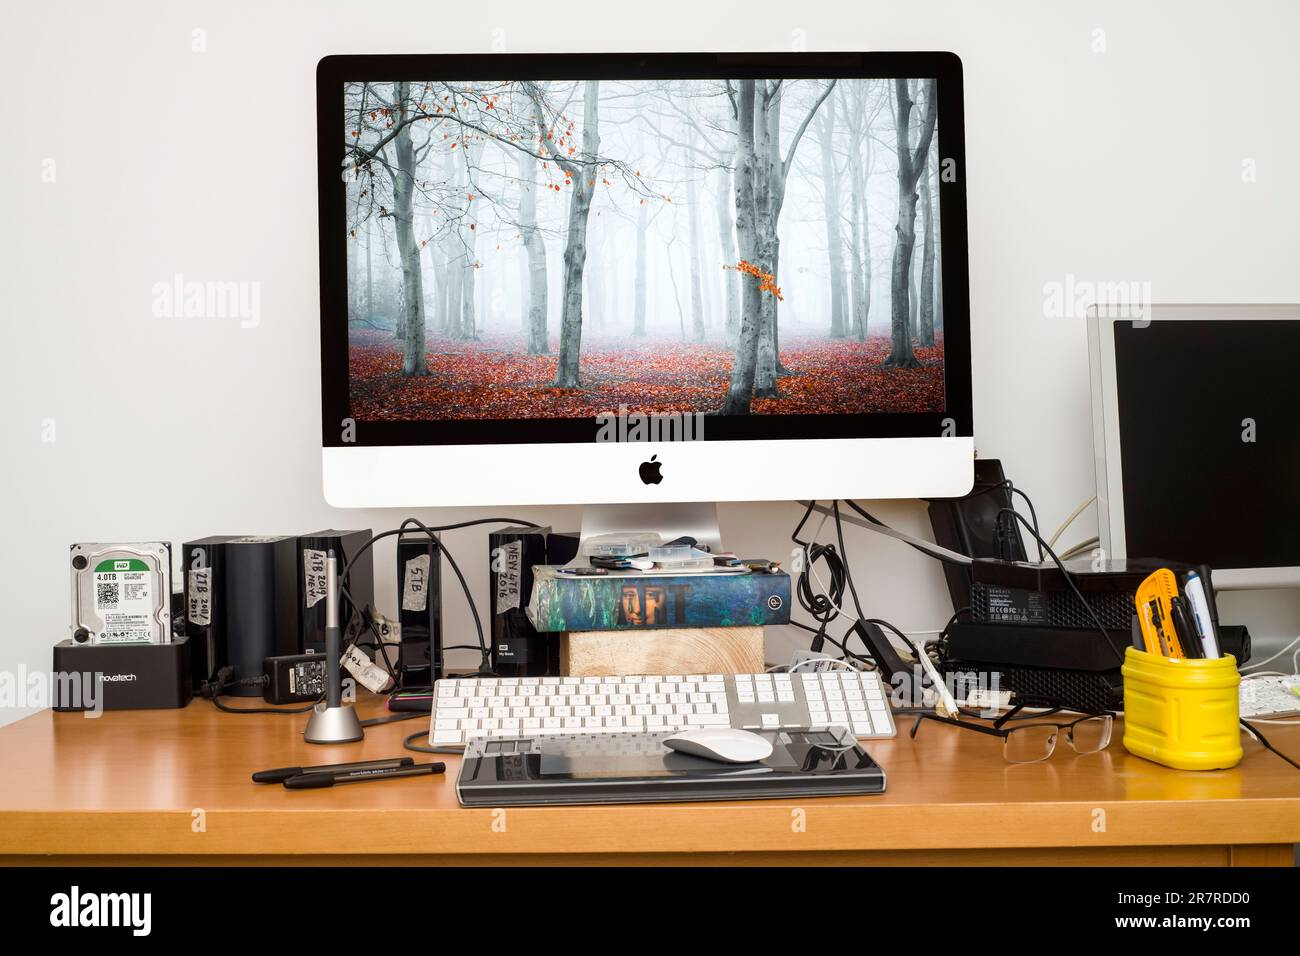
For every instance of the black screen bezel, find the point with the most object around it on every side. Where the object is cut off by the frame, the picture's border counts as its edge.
(333, 71)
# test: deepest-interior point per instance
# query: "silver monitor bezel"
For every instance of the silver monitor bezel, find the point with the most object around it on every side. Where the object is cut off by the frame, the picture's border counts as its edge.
(1107, 457)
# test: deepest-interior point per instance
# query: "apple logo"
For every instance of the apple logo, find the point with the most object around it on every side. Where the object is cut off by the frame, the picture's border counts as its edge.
(649, 471)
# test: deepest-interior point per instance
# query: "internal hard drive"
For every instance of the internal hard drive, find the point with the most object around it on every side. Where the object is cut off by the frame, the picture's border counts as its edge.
(121, 593)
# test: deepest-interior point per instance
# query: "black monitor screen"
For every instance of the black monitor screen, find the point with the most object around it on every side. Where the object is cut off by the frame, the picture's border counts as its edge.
(1209, 421)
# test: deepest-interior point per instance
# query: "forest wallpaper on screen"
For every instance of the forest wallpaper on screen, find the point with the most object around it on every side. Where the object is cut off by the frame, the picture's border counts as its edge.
(550, 249)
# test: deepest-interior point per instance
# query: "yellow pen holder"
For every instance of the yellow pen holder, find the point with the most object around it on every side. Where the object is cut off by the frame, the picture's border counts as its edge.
(1182, 713)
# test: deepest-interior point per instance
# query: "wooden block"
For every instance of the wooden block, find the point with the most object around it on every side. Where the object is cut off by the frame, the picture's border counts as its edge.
(702, 650)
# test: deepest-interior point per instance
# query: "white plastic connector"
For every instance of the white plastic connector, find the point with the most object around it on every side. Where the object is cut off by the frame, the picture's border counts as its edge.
(366, 672)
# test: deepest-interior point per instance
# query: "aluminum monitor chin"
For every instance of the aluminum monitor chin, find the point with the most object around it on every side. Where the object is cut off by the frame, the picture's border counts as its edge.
(1195, 437)
(642, 277)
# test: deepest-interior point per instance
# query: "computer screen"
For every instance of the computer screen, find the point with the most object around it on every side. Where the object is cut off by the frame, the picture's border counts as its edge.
(579, 249)
(1210, 440)
(519, 188)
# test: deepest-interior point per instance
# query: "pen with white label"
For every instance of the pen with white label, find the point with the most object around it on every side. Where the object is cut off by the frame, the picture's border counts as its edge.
(1195, 591)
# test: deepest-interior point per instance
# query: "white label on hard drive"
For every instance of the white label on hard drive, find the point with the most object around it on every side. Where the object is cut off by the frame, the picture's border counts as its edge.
(415, 584)
(199, 611)
(124, 601)
(509, 577)
(314, 578)
(366, 671)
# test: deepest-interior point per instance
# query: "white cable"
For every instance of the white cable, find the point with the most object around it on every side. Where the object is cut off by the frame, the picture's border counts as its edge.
(1051, 542)
(1255, 665)
(929, 547)
(1078, 549)
(794, 668)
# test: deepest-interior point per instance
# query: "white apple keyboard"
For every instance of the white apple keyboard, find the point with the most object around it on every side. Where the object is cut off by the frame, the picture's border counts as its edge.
(1269, 697)
(469, 707)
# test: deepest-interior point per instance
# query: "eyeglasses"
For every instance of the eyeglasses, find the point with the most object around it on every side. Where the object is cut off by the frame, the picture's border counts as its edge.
(1030, 743)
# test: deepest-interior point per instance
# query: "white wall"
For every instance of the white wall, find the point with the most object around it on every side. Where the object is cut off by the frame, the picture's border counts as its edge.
(1115, 165)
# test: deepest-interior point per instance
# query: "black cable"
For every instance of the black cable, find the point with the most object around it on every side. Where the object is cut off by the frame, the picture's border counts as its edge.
(821, 607)
(410, 745)
(951, 621)
(1032, 513)
(909, 641)
(266, 710)
(441, 550)
(1264, 741)
(213, 689)
(853, 591)
(393, 719)
(351, 635)
(848, 575)
(485, 653)
(1069, 579)
(940, 643)
(439, 528)
(986, 487)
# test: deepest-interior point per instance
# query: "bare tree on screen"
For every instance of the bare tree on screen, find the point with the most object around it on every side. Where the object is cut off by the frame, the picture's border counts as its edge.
(535, 247)
(581, 173)
(762, 170)
(831, 208)
(910, 166)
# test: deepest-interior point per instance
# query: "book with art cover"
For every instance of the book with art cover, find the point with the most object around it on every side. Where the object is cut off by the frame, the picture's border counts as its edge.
(625, 600)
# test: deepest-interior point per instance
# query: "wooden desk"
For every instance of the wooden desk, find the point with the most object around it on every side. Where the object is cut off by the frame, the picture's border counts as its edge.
(173, 787)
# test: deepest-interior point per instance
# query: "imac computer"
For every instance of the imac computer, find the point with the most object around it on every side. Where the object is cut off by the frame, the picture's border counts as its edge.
(642, 278)
(1197, 440)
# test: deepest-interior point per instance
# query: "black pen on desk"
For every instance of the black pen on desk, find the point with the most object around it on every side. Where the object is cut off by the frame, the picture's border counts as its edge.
(313, 781)
(281, 774)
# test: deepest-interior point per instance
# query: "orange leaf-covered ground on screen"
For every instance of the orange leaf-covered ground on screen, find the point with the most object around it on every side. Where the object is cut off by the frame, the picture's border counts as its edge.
(495, 378)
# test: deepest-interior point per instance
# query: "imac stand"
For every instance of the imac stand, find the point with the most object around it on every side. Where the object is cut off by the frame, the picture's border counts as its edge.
(699, 519)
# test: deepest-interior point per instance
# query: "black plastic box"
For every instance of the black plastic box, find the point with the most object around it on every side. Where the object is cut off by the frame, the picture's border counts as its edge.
(261, 605)
(124, 676)
(312, 550)
(419, 610)
(518, 648)
(203, 566)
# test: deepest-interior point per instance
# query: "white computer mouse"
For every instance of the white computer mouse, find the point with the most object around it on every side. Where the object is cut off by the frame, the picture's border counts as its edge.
(724, 744)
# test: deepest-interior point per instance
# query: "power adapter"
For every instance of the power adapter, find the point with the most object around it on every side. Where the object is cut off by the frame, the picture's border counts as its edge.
(293, 678)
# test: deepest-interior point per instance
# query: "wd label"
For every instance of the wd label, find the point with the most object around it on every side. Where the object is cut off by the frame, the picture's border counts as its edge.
(124, 600)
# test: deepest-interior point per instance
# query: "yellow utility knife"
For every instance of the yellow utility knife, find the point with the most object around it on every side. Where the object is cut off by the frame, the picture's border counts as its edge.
(1155, 615)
